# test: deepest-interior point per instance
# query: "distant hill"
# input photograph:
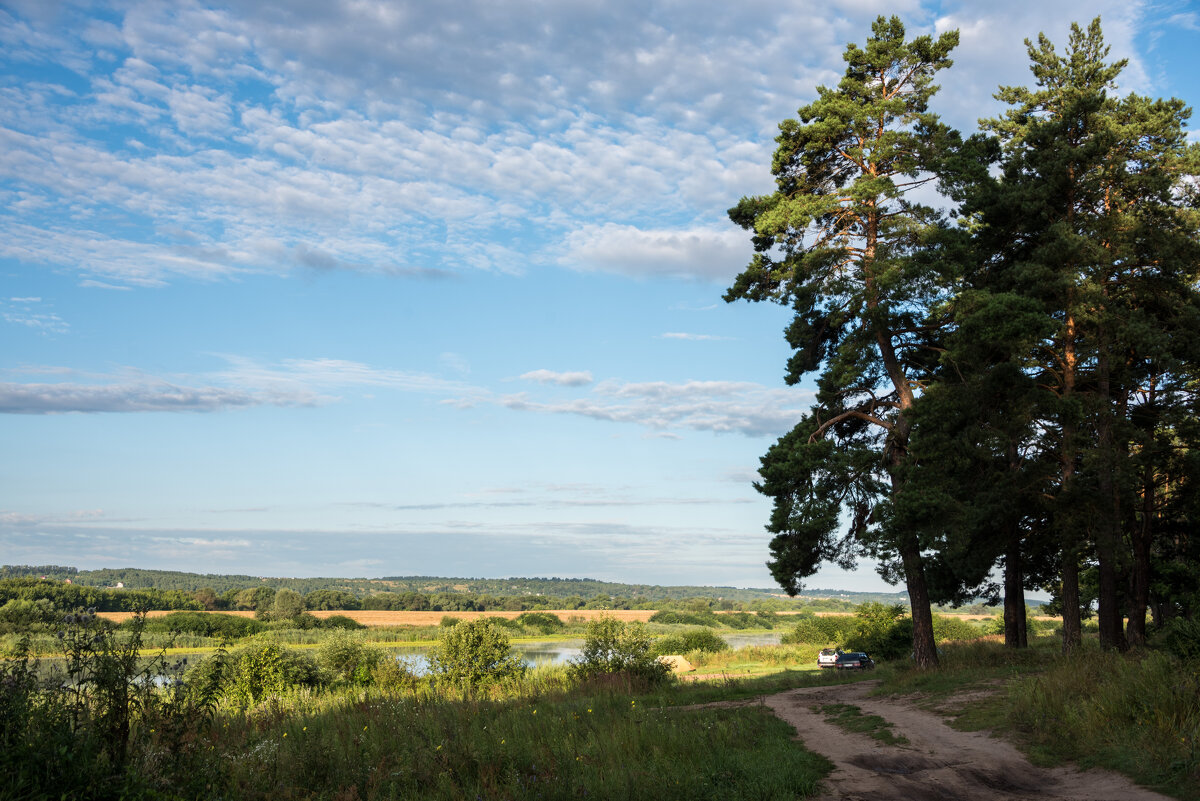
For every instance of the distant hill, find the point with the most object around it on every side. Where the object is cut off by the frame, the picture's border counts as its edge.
(137, 578)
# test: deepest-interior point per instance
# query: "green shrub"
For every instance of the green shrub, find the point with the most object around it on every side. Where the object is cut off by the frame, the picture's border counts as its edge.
(613, 647)
(341, 622)
(204, 624)
(813, 630)
(472, 654)
(391, 675)
(544, 622)
(449, 621)
(20, 614)
(881, 630)
(947, 628)
(1180, 636)
(685, 642)
(346, 659)
(670, 616)
(254, 671)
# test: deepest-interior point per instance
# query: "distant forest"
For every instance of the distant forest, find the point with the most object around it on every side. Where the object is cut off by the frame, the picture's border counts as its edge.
(179, 590)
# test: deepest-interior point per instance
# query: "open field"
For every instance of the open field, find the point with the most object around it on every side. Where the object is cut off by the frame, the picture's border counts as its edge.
(377, 617)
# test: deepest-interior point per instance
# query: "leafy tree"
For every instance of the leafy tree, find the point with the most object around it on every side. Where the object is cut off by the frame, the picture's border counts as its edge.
(287, 605)
(611, 646)
(843, 244)
(473, 653)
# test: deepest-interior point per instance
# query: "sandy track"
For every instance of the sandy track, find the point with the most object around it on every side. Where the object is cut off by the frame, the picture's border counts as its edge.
(938, 763)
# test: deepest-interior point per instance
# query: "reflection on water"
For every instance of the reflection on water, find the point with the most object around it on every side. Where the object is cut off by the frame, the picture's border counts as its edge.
(564, 651)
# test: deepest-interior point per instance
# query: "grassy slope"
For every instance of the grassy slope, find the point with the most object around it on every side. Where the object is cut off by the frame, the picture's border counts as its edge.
(1137, 714)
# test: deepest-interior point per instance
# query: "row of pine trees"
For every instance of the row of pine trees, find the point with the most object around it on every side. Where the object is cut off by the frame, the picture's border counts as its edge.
(1006, 392)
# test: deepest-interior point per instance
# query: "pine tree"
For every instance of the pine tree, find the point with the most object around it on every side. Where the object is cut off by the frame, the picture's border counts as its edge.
(1092, 223)
(840, 242)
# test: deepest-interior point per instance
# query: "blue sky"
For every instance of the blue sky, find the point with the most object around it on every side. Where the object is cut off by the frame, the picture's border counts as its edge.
(389, 288)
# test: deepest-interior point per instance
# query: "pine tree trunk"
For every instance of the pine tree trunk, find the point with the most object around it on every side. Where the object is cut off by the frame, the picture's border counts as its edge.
(1112, 635)
(1143, 533)
(1072, 626)
(1015, 635)
(924, 644)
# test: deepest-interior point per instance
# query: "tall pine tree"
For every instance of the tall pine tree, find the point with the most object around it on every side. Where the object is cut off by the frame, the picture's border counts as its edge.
(841, 243)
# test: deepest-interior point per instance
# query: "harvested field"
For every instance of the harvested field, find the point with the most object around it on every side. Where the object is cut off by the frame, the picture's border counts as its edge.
(373, 617)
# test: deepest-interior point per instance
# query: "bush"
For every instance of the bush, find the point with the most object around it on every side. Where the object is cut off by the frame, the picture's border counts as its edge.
(346, 659)
(881, 630)
(81, 734)
(473, 654)
(341, 622)
(670, 616)
(544, 622)
(813, 630)
(230, 627)
(1180, 636)
(952, 628)
(21, 614)
(696, 640)
(449, 621)
(611, 647)
(254, 671)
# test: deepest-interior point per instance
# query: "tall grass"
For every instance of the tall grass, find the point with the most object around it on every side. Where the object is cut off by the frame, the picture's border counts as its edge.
(1139, 714)
(606, 746)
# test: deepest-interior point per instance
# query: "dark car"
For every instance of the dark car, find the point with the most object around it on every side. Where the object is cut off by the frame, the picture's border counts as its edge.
(855, 660)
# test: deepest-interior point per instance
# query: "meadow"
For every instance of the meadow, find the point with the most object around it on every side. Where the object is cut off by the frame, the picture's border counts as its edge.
(337, 721)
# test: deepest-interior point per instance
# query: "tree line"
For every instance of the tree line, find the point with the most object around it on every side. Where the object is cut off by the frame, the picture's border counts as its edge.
(1006, 388)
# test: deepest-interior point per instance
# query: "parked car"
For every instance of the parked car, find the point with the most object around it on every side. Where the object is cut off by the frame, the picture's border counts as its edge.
(855, 660)
(828, 657)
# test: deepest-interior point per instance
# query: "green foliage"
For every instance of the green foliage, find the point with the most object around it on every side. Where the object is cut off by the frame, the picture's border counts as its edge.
(686, 642)
(341, 622)
(672, 617)
(953, 628)
(449, 621)
(287, 605)
(205, 624)
(813, 630)
(544, 622)
(1181, 637)
(611, 646)
(347, 659)
(250, 673)
(78, 734)
(22, 614)
(881, 631)
(473, 654)
(1136, 715)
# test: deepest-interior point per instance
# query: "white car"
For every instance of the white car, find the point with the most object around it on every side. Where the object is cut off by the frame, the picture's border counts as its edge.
(828, 657)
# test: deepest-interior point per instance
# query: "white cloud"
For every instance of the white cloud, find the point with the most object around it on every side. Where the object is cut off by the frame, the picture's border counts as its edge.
(691, 337)
(713, 254)
(713, 406)
(576, 379)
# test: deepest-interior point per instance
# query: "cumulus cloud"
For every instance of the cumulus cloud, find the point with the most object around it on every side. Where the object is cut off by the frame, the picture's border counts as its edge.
(576, 379)
(714, 254)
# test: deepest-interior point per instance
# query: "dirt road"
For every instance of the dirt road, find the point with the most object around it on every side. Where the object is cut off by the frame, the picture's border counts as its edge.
(938, 763)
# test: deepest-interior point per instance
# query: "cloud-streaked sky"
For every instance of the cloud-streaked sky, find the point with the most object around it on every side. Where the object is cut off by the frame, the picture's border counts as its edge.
(381, 288)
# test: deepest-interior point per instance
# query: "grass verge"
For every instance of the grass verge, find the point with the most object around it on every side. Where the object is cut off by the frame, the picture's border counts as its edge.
(851, 718)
